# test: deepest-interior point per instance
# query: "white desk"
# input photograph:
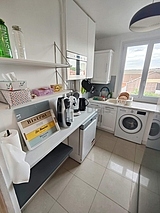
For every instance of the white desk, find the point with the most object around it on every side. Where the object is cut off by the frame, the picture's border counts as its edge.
(35, 155)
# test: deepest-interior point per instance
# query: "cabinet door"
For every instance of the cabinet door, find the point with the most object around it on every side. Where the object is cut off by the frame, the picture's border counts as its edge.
(108, 118)
(87, 138)
(90, 47)
(76, 28)
(98, 107)
(102, 66)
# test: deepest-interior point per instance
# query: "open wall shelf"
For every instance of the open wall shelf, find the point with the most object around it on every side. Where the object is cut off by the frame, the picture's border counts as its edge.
(41, 172)
(24, 62)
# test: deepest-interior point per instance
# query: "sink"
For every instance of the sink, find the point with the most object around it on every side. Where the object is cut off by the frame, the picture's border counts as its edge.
(112, 101)
(99, 98)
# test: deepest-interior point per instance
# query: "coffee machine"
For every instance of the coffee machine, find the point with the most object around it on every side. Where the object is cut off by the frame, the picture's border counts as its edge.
(64, 113)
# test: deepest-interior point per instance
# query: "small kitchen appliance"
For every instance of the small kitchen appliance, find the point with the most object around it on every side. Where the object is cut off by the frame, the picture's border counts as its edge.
(82, 104)
(74, 102)
(64, 113)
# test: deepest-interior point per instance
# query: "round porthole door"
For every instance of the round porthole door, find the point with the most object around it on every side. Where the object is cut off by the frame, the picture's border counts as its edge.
(154, 133)
(130, 124)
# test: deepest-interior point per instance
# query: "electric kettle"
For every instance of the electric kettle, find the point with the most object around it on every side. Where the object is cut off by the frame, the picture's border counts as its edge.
(82, 104)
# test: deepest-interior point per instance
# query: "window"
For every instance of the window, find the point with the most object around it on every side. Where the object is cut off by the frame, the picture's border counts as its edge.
(141, 71)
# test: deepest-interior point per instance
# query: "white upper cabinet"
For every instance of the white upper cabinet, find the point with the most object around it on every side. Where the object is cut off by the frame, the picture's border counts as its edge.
(102, 66)
(90, 47)
(80, 35)
(76, 28)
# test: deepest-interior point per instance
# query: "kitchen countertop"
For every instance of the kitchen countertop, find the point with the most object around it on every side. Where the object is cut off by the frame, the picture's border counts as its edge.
(135, 105)
(35, 155)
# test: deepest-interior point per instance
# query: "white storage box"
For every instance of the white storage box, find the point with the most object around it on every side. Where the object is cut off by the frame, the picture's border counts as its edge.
(13, 85)
(14, 98)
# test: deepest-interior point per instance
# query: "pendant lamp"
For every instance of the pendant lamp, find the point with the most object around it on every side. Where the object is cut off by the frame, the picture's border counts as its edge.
(146, 19)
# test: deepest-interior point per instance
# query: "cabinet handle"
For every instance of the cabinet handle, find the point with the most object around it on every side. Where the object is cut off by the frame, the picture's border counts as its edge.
(122, 110)
(101, 118)
(109, 108)
(79, 145)
(98, 118)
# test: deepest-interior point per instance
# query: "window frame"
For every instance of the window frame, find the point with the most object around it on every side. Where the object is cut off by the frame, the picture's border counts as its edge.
(125, 45)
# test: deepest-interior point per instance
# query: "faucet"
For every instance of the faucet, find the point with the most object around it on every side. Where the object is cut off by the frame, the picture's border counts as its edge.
(109, 93)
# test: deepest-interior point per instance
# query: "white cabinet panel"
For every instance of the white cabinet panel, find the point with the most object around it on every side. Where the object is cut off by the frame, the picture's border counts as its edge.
(90, 49)
(80, 34)
(108, 118)
(98, 107)
(87, 139)
(102, 66)
(76, 28)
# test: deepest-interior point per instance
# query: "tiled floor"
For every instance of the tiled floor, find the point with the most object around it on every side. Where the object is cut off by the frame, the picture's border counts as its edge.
(149, 194)
(104, 183)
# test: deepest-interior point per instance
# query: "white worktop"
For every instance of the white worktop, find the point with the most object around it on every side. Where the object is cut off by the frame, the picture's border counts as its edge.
(35, 155)
(135, 105)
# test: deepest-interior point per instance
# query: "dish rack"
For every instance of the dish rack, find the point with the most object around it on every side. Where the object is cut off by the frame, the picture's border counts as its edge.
(128, 101)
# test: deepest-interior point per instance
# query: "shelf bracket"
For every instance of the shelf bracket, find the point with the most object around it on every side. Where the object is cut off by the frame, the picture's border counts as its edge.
(55, 58)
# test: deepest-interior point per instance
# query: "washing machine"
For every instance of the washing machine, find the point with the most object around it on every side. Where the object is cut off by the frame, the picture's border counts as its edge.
(130, 124)
(154, 134)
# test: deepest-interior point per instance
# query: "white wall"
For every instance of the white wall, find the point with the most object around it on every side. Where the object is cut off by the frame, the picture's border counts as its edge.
(116, 42)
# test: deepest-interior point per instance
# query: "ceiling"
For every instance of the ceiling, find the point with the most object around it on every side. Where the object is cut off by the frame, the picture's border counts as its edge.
(112, 17)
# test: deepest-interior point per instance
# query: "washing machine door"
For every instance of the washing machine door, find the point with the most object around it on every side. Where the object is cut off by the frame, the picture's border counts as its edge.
(154, 133)
(130, 124)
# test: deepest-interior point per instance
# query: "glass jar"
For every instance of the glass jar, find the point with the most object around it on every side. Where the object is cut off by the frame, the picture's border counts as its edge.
(19, 42)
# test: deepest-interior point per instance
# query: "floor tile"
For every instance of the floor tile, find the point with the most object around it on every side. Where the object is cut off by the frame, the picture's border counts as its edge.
(99, 156)
(136, 171)
(149, 201)
(158, 183)
(125, 149)
(77, 196)
(141, 147)
(116, 187)
(158, 160)
(133, 203)
(149, 179)
(41, 203)
(71, 165)
(106, 143)
(150, 159)
(139, 156)
(98, 133)
(90, 172)
(109, 135)
(121, 166)
(58, 182)
(102, 204)
(57, 209)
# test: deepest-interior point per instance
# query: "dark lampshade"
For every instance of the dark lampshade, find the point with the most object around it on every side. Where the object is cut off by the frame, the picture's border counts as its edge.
(146, 19)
